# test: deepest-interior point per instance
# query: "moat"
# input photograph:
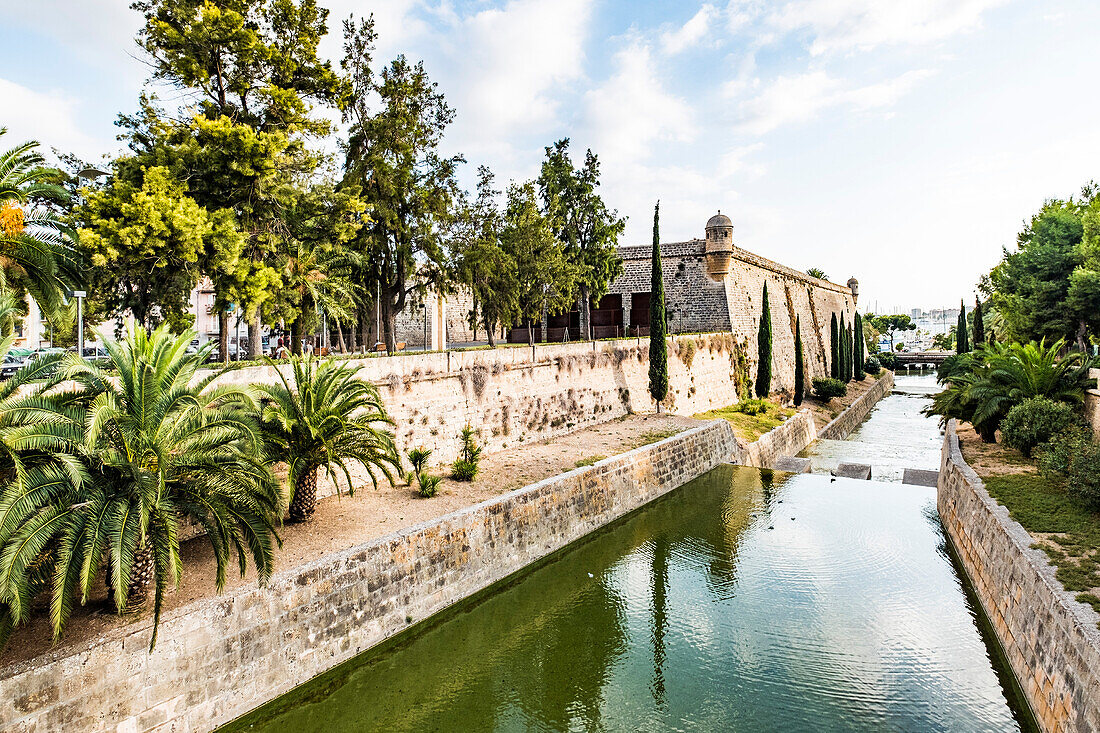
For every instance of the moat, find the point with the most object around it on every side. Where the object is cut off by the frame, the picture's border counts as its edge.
(746, 600)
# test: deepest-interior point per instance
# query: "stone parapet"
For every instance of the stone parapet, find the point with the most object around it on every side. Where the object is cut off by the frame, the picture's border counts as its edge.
(1050, 640)
(1092, 404)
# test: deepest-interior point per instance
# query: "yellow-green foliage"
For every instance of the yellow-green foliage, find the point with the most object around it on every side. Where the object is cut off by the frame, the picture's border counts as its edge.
(686, 351)
(746, 425)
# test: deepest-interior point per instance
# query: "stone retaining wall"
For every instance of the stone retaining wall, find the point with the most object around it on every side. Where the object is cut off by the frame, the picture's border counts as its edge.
(220, 658)
(1050, 640)
(786, 440)
(857, 412)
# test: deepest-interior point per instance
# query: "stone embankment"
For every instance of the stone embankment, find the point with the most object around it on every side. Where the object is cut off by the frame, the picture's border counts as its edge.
(219, 658)
(844, 423)
(1050, 640)
(1092, 403)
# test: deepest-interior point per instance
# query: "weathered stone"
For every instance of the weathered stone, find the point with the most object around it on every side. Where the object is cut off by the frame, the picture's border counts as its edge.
(792, 464)
(920, 477)
(859, 471)
(1050, 640)
(847, 421)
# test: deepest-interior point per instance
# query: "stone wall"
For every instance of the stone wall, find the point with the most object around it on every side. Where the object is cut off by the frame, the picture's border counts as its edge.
(789, 439)
(219, 658)
(1092, 404)
(734, 304)
(1050, 640)
(844, 423)
(519, 394)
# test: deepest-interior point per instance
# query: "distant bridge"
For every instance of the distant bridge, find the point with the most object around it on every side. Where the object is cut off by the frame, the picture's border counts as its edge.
(913, 358)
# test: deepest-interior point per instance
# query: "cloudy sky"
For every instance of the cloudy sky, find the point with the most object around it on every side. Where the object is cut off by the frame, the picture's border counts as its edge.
(900, 142)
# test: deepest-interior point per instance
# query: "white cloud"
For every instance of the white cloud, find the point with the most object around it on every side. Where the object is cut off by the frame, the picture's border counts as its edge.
(50, 117)
(846, 25)
(631, 111)
(690, 33)
(801, 97)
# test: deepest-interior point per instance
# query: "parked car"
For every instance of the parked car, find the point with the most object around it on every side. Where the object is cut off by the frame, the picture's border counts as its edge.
(18, 358)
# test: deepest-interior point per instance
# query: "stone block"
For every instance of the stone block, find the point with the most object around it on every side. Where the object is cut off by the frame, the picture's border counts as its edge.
(792, 464)
(920, 477)
(853, 470)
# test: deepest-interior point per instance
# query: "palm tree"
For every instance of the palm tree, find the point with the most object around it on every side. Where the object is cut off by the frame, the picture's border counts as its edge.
(36, 246)
(160, 444)
(327, 419)
(319, 275)
(983, 385)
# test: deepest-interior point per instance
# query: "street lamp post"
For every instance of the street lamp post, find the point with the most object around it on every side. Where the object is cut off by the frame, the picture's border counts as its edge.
(80, 295)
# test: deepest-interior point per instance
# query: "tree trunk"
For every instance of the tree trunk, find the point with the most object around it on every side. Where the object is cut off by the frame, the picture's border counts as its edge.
(586, 314)
(141, 580)
(388, 325)
(530, 334)
(296, 336)
(365, 318)
(255, 336)
(489, 333)
(1082, 337)
(223, 335)
(340, 345)
(988, 433)
(304, 503)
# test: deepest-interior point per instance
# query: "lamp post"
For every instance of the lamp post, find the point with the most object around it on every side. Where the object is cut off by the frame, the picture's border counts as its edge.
(80, 295)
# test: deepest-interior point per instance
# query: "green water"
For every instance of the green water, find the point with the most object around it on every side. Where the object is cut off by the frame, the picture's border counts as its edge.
(744, 601)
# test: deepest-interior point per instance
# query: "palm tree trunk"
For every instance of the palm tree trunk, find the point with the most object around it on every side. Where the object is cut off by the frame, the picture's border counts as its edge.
(296, 336)
(141, 580)
(340, 344)
(304, 503)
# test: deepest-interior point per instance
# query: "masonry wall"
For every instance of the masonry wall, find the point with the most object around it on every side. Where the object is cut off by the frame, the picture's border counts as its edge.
(844, 423)
(735, 304)
(1051, 641)
(517, 394)
(220, 658)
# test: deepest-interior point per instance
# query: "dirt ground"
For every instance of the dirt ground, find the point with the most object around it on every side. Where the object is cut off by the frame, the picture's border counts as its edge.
(990, 459)
(346, 521)
(825, 412)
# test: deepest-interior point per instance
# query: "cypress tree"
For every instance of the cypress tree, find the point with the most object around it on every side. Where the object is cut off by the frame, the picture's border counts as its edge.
(979, 325)
(658, 348)
(834, 349)
(799, 364)
(844, 354)
(962, 344)
(764, 349)
(859, 357)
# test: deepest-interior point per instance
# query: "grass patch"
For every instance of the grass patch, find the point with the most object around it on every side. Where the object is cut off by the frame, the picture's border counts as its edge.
(1072, 540)
(653, 436)
(745, 426)
(591, 460)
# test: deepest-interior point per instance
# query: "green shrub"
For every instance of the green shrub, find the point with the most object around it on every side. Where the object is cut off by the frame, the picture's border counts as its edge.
(872, 366)
(418, 457)
(429, 485)
(466, 467)
(752, 407)
(1073, 458)
(827, 388)
(1056, 455)
(888, 360)
(1034, 422)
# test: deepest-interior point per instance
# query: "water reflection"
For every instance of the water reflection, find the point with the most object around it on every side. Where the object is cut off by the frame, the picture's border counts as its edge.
(744, 601)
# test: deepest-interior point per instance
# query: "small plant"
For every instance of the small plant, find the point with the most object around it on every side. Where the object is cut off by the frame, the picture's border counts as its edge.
(466, 467)
(827, 388)
(752, 407)
(1034, 422)
(1055, 457)
(686, 351)
(872, 366)
(590, 461)
(1072, 458)
(427, 484)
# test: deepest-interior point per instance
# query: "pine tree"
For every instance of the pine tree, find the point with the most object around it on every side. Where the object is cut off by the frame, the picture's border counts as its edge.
(859, 357)
(799, 364)
(979, 325)
(834, 348)
(658, 348)
(963, 344)
(764, 349)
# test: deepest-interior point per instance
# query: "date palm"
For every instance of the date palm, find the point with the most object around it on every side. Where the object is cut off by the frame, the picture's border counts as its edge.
(36, 245)
(160, 444)
(327, 420)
